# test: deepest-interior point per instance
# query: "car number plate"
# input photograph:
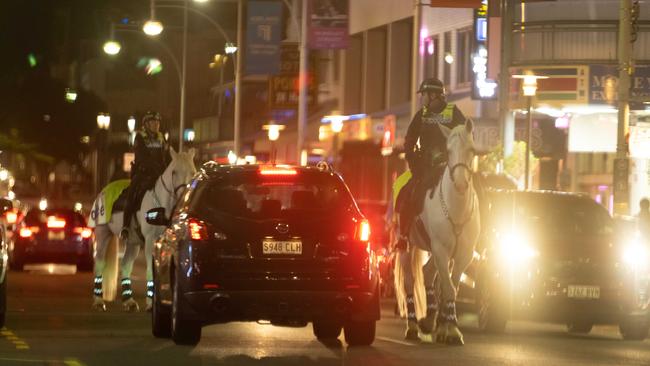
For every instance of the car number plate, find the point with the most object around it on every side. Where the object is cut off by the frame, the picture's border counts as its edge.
(583, 292)
(291, 247)
(55, 235)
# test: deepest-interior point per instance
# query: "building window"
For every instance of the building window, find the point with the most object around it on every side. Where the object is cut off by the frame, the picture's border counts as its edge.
(448, 59)
(464, 55)
(431, 52)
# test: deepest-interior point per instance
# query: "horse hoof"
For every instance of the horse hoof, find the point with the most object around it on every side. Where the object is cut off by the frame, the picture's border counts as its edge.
(425, 338)
(441, 338)
(455, 341)
(425, 325)
(130, 306)
(411, 335)
(99, 307)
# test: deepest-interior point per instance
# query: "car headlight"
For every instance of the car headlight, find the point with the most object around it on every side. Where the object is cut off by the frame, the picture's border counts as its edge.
(515, 248)
(635, 254)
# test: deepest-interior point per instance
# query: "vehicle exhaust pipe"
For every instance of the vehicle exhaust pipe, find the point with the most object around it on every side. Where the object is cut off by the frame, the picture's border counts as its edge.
(219, 304)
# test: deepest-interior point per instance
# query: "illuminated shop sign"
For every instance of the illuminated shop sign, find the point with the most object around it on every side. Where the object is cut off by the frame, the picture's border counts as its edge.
(482, 87)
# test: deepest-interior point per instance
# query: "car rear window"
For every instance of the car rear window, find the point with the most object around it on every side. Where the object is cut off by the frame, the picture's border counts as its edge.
(553, 214)
(250, 195)
(38, 217)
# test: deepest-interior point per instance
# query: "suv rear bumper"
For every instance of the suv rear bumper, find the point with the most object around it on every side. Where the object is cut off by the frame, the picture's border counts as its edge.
(283, 307)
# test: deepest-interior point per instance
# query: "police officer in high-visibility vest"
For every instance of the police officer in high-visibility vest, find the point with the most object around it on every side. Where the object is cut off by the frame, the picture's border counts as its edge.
(426, 148)
(151, 158)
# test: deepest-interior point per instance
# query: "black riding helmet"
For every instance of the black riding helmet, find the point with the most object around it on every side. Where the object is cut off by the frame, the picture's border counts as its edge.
(150, 116)
(432, 85)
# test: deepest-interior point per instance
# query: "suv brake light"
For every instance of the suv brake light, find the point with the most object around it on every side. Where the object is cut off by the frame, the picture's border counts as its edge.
(363, 230)
(11, 216)
(84, 232)
(198, 229)
(278, 170)
(28, 232)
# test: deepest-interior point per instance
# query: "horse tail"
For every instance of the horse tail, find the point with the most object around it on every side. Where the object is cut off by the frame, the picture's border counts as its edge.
(110, 271)
(419, 293)
(415, 257)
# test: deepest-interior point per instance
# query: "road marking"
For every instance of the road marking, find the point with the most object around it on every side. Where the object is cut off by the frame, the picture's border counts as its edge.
(13, 338)
(386, 339)
(67, 361)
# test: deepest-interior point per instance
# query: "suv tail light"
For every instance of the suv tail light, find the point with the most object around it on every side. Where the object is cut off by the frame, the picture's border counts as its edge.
(84, 232)
(363, 231)
(198, 230)
(278, 170)
(11, 216)
(28, 232)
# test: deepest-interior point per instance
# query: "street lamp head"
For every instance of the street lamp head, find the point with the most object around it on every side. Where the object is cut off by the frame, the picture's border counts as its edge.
(230, 48)
(131, 124)
(201, 1)
(103, 121)
(529, 85)
(152, 27)
(273, 130)
(112, 47)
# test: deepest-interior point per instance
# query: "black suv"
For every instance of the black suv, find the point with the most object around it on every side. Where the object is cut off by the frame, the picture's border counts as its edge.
(557, 257)
(282, 244)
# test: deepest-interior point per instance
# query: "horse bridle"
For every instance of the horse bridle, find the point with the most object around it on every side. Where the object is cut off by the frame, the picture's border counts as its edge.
(173, 193)
(459, 165)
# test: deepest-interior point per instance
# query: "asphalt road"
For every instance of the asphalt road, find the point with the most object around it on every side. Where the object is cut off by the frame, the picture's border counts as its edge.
(50, 323)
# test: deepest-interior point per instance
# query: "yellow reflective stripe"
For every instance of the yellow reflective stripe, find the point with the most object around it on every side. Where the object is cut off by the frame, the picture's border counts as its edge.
(448, 112)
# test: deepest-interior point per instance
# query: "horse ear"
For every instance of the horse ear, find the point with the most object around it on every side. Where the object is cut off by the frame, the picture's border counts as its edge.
(445, 130)
(469, 125)
(173, 153)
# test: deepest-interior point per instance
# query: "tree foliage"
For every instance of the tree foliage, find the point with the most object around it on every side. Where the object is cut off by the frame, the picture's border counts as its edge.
(514, 165)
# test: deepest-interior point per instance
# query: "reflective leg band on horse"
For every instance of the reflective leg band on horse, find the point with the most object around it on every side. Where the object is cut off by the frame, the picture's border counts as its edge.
(432, 301)
(127, 292)
(150, 289)
(449, 313)
(410, 308)
(97, 288)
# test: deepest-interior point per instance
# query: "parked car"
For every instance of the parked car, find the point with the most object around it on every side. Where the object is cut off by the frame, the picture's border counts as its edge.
(556, 257)
(282, 244)
(5, 205)
(58, 235)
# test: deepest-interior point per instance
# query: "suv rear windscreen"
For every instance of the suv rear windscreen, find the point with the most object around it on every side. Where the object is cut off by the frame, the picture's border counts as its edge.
(37, 217)
(252, 196)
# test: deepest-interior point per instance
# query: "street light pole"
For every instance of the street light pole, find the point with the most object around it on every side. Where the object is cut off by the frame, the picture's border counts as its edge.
(529, 129)
(621, 163)
(238, 74)
(183, 77)
(302, 86)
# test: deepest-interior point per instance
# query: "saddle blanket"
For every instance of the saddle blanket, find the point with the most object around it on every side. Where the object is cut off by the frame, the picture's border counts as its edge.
(100, 214)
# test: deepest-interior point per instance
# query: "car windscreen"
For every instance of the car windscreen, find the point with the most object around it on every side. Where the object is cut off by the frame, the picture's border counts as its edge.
(252, 196)
(552, 215)
(38, 217)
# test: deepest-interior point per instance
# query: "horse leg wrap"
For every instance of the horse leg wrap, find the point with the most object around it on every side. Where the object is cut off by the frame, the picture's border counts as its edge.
(97, 287)
(150, 289)
(127, 292)
(432, 302)
(410, 308)
(448, 313)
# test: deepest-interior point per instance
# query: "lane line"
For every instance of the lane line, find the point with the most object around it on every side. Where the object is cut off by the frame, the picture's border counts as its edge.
(20, 344)
(73, 362)
(391, 340)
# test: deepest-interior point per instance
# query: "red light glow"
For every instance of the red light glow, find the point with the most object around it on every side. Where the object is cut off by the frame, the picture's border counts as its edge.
(54, 222)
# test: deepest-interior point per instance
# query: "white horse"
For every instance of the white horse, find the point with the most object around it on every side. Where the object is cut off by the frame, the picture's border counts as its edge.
(165, 193)
(447, 231)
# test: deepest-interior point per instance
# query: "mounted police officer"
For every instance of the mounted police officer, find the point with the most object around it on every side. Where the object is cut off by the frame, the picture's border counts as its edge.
(151, 159)
(426, 149)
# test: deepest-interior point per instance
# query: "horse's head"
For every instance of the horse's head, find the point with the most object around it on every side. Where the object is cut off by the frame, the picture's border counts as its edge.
(460, 151)
(181, 169)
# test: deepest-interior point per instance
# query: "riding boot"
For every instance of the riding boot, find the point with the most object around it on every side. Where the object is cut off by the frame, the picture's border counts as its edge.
(127, 292)
(97, 288)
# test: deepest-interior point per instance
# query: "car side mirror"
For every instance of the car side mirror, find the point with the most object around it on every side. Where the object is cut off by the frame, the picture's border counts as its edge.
(156, 216)
(5, 205)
